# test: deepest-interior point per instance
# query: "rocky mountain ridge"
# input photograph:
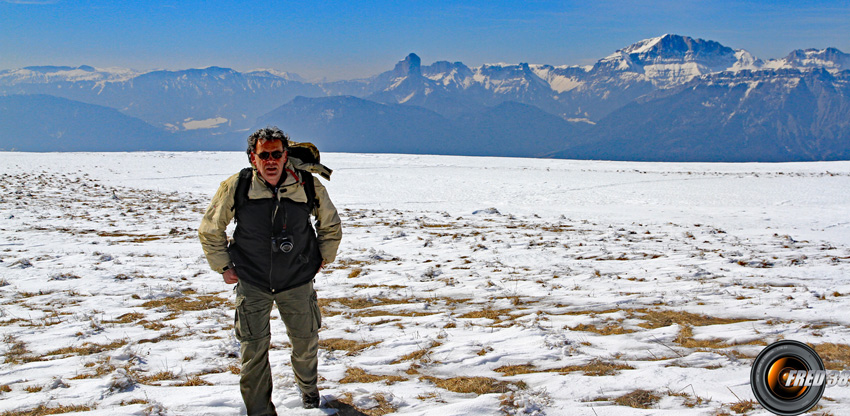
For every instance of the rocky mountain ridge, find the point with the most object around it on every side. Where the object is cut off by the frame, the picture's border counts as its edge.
(446, 99)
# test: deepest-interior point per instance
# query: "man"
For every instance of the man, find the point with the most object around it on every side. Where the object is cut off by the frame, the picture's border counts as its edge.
(273, 258)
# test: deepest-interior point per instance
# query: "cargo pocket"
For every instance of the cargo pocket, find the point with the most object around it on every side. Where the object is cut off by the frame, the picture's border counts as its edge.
(240, 320)
(317, 313)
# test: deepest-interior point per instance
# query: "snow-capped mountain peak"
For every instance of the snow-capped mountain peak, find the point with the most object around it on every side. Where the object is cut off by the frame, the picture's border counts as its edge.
(49, 74)
(289, 76)
(673, 59)
(831, 59)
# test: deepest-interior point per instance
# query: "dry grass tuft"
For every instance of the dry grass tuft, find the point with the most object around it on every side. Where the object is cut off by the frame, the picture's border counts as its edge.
(186, 303)
(686, 339)
(132, 402)
(418, 354)
(89, 348)
(126, 318)
(44, 410)
(658, 318)
(155, 378)
(487, 313)
(358, 375)
(373, 286)
(361, 303)
(834, 356)
(477, 385)
(194, 381)
(340, 344)
(512, 370)
(609, 329)
(374, 313)
(595, 367)
(101, 368)
(742, 406)
(345, 407)
(17, 352)
(639, 399)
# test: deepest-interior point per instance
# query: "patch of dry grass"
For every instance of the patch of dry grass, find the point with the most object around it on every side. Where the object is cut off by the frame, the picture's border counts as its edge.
(195, 380)
(358, 375)
(43, 409)
(488, 313)
(477, 385)
(418, 354)
(512, 370)
(126, 318)
(742, 406)
(596, 367)
(639, 399)
(361, 303)
(659, 318)
(834, 356)
(89, 348)
(345, 406)
(409, 314)
(154, 379)
(341, 344)
(613, 328)
(187, 303)
(17, 351)
(374, 286)
(686, 339)
(169, 335)
(101, 368)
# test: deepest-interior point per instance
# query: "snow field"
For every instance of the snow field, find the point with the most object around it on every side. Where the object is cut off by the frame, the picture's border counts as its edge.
(107, 305)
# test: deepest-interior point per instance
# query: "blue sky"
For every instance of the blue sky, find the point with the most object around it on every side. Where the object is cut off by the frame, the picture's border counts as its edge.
(342, 40)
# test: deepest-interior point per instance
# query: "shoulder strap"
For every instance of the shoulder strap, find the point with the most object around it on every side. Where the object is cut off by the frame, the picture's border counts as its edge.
(309, 189)
(243, 185)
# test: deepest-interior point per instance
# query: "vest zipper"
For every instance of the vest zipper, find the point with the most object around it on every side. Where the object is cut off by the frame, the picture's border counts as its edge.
(271, 240)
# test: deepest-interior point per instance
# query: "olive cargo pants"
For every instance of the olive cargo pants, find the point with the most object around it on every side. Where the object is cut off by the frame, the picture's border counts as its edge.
(299, 310)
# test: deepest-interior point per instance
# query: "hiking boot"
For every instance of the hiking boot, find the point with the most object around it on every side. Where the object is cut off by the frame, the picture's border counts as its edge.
(310, 401)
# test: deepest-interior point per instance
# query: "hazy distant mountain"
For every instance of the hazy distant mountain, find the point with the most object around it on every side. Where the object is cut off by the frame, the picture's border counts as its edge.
(47, 123)
(216, 99)
(350, 124)
(766, 115)
(667, 98)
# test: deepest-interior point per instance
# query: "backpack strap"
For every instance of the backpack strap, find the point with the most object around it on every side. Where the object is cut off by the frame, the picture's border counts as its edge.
(309, 189)
(243, 185)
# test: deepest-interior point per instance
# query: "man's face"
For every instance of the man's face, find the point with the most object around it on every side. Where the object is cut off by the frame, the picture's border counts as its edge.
(270, 169)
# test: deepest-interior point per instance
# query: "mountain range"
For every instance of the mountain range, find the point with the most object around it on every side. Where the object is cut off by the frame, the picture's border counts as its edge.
(670, 98)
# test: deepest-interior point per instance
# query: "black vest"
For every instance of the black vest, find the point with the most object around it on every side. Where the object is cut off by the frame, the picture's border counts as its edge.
(262, 224)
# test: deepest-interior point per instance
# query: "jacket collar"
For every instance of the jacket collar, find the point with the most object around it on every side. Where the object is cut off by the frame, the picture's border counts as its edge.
(290, 188)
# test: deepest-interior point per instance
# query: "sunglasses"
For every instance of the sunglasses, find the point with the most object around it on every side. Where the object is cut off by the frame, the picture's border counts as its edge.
(277, 154)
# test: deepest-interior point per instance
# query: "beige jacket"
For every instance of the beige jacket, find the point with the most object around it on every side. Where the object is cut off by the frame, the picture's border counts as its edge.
(219, 214)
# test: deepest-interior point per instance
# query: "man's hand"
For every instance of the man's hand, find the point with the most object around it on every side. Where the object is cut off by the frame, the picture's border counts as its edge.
(230, 276)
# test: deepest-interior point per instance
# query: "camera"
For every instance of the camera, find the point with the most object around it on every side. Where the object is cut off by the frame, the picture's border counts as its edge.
(281, 244)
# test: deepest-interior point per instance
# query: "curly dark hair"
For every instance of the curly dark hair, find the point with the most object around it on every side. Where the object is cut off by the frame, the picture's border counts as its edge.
(267, 134)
